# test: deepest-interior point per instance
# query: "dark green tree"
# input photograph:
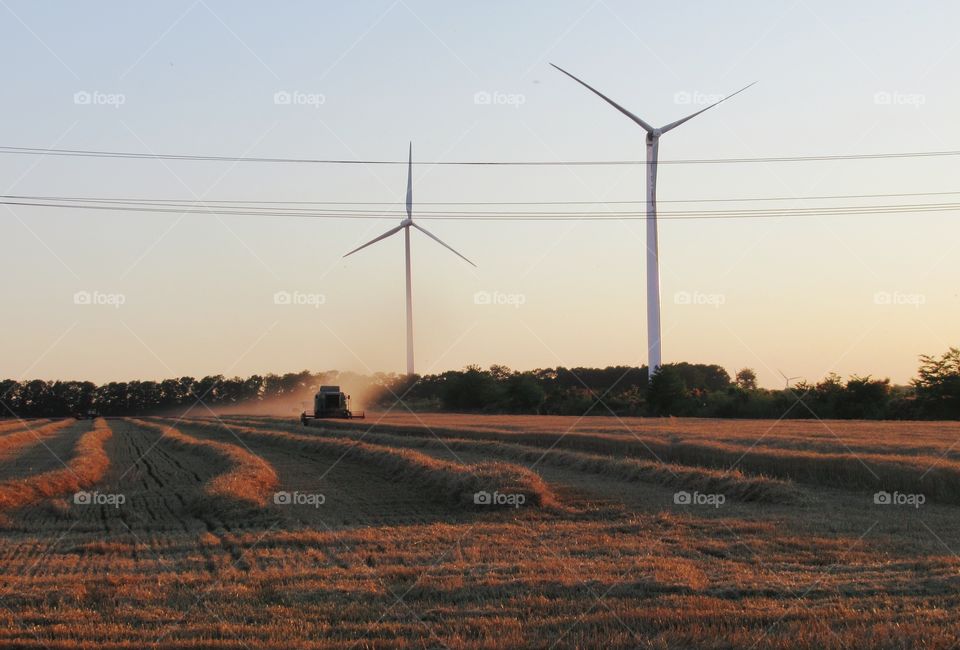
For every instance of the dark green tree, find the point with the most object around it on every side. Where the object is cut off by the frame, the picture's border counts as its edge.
(523, 393)
(667, 391)
(472, 389)
(864, 398)
(747, 379)
(938, 385)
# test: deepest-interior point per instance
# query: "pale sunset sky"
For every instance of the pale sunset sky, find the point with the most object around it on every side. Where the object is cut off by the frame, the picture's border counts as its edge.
(805, 295)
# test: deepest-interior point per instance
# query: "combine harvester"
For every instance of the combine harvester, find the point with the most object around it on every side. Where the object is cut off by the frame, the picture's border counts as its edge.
(330, 402)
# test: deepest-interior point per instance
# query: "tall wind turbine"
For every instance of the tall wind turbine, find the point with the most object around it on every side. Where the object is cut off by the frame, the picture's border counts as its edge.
(405, 226)
(653, 263)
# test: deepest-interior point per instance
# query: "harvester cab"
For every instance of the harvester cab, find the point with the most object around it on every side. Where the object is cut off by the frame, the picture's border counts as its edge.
(330, 402)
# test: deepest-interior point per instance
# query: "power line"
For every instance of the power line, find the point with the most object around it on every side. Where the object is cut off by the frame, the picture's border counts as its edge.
(88, 153)
(747, 199)
(505, 216)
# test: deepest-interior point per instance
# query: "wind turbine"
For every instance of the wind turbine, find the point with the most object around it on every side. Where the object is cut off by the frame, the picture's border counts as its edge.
(787, 380)
(653, 262)
(405, 226)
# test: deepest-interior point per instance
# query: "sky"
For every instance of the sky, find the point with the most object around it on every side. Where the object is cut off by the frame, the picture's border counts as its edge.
(174, 294)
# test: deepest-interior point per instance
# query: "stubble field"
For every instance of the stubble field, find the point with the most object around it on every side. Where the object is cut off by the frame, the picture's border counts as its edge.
(464, 531)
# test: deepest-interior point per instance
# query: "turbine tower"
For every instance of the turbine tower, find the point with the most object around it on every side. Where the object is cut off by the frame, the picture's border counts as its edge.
(653, 259)
(405, 226)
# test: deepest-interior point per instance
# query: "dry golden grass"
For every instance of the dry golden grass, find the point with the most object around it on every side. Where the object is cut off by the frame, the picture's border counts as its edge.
(26, 434)
(83, 470)
(648, 581)
(733, 484)
(619, 566)
(249, 480)
(12, 424)
(839, 454)
(901, 437)
(447, 480)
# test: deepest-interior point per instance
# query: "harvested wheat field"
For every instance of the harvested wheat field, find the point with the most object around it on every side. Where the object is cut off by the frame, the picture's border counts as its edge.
(457, 531)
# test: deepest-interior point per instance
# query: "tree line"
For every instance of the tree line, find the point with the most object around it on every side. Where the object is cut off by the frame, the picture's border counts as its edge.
(682, 389)
(678, 389)
(40, 398)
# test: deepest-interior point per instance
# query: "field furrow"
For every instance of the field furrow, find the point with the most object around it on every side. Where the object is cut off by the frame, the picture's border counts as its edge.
(937, 478)
(12, 424)
(449, 481)
(354, 493)
(733, 484)
(85, 467)
(153, 482)
(249, 481)
(26, 437)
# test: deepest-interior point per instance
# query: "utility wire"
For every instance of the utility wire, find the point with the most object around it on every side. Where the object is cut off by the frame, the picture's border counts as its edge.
(501, 216)
(88, 153)
(121, 199)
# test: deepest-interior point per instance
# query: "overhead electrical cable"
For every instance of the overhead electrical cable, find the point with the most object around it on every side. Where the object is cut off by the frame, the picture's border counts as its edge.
(597, 215)
(747, 199)
(130, 155)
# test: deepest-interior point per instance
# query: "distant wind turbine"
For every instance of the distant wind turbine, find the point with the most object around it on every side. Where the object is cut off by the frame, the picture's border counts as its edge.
(653, 264)
(405, 227)
(787, 380)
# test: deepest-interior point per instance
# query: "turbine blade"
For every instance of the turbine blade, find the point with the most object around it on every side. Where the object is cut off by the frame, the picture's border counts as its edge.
(410, 183)
(647, 127)
(442, 243)
(674, 125)
(392, 231)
